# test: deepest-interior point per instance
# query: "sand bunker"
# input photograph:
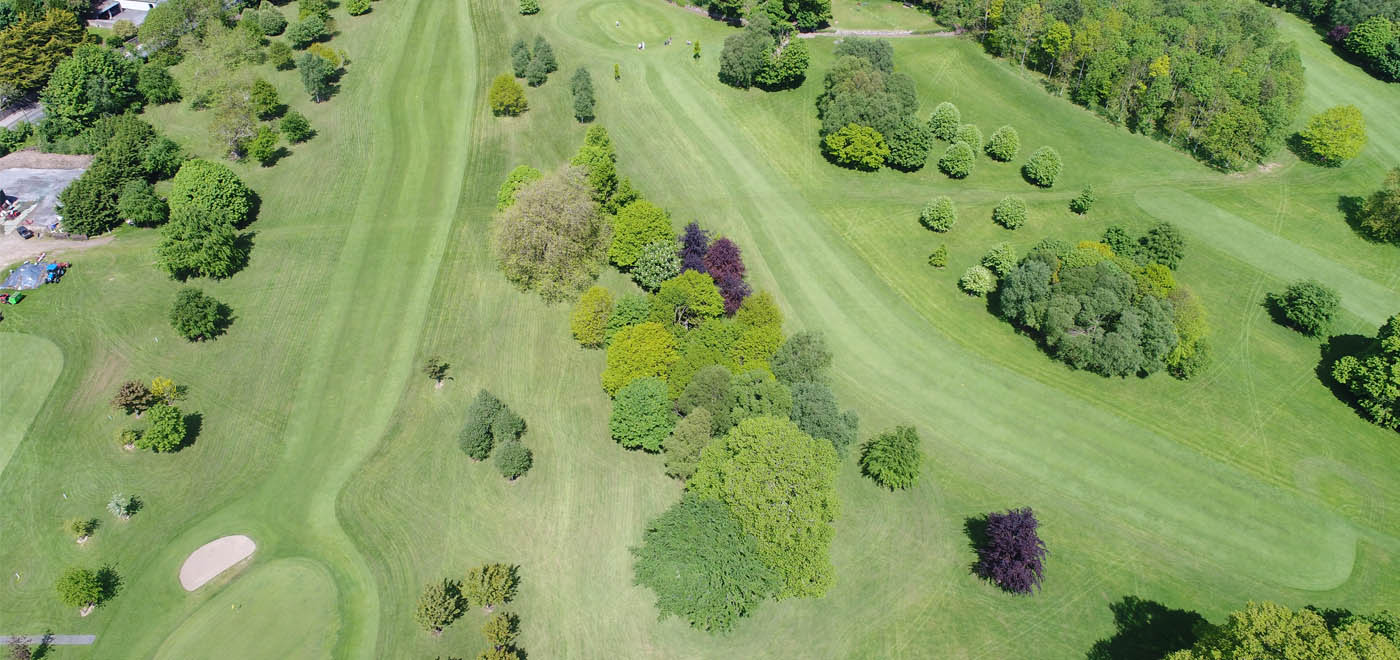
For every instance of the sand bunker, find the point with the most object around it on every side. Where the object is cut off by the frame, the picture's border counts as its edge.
(213, 558)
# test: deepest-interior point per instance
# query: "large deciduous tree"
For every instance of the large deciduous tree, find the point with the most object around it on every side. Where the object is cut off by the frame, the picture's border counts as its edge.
(1012, 554)
(196, 316)
(1380, 214)
(642, 417)
(1267, 630)
(893, 458)
(552, 239)
(94, 81)
(779, 483)
(589, 320)
(439, 605)
(803, 358)
(641, 351)
(490, 585)
(688, 439)
(637, 225)
(1372, 376)
(167, 429)
(1336, 135)
(1308, 306)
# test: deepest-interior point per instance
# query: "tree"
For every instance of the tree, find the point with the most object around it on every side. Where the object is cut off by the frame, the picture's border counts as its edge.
(641, 415)
(155, 84)
(957, 160)
(266, 103)
(1163, 244)
(581, 87)
(317, 76)
(306, 31)
(695, 50)
(892, 458)
(598, 158)
(1336, 135)
(1370, 375)
(629, 310)
(1004, 144)
(757, 393)
(263, 147)
(637, 225)
(535, 73)
(814, 410)
(878, 52)
(779, 483)
(123, 506)
(589, 320)
(439, 605)
(939, 214)
(1083, 201)
(1043, 167)
(196, 316)
(725, 264)
(490, 585)
(702, 565)
(476, 438)
(690, 437)
(498, 654)
(30, 50)
(280, 56)
(657, 263)
(709, 389)
(755, 346)
(519, 57)
(788, 69)
(501, 629)
(617, 72)
(166, 431)
(553, 239)
(165, 390)
(79, 587)
(1308, 306)
(513, 459)
(641, 351)
(1012, 555)
(803, 358)
(1270, 630)
(133, 397)
(758, 311)
(858, 147)
(909, 145)
(18, 649)
(357, 7)
(978, 281)
(1380, 214)
(517, 179)
(695, 243)
(1000, 259)
(435, 369)
(528, 7)
(970, 135)
(213, 190)
(139, 205)
(544, 54)
(687, 299)
(1010, 212)
(81, 528)
(506, 97)
(939, 257)
(945, 121)
(745, 57)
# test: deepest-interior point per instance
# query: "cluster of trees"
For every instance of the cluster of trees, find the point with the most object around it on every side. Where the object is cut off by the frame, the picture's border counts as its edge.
(1211, 76)
(491, 424)
(1010, 551)
(166, 429)
(1366, 30)
(208, 205)
(1269, 630)
(868, 110)
(534, 65)
(486, 586)
(130, 157)
(764, 55)
(1372, 376)
(805, 15)
(1110, 307)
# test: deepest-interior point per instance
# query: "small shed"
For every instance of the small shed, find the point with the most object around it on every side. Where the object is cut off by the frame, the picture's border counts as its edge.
(108, 10)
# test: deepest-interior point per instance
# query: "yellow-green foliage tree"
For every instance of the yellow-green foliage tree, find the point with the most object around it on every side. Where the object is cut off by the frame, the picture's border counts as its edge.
(589, 322)
(639, 351)
(1267, 630)
(637, 225)
(507, 97)
(1335, 136)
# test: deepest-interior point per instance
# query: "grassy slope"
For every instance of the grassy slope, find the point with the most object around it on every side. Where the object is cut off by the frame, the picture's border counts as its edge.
(320, 441)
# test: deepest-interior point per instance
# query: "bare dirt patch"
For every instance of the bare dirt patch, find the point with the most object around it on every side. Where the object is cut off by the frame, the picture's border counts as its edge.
(36, 160)
(15, 249)
(213, 558)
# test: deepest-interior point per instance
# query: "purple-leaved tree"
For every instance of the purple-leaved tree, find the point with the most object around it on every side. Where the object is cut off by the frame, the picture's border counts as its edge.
(1012, 555)
(724, 262)
(695, 242)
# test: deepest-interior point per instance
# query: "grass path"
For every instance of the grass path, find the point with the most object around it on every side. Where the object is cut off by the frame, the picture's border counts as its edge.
(32, 364)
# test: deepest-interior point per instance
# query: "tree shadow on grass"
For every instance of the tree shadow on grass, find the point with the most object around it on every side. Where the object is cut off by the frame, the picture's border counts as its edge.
(109, 583)
(194, 423)
(1301, 150)
(975, 528)
(1147, 629)
(1350, 206)
(1332, 350)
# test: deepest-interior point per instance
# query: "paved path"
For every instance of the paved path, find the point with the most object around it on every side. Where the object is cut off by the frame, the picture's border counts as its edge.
(884, 34)
(51, 640)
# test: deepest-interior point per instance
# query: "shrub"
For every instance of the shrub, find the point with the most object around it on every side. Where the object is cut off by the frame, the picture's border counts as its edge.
(271, 21)
(1000, 259)
(1043, 167)
(79, 587)
(491, 584)
(166, 431)
(945, 121)
(1307, 306)
(1083, 201)
(858, 147)
(939, 214)
(127, 437)
(779, 483)
(957, 160)
(970, 135)
(81, 528)
(280, 56)
(475, 438)
(909, 145)
(641, 415)
(123, 506)
(690, 436)
(892, 458)
(637, 225)
(1380, 214)
(196, 316)
(939, 257)
(528, 7)
(1004, 144)
(439, 605)
(978, 281)
(295, 126)
(589, 320)
(133, 397)
(1369, 375)
(306, 31)
(435, 369)
(640, 351)
(1010, 212)
(657, 263)
(139, 205)
(506, 97)
(357, 7)
(1336, 135)
(264, 99)
(513, 459)
(814, 410)
(702, 565)
(1013, 555)
(536, 73)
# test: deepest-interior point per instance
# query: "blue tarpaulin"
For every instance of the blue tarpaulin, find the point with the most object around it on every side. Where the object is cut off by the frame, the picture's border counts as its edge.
(27, 276)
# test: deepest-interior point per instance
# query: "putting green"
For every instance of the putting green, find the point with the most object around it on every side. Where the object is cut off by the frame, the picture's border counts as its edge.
(32, 365)
(279, 610)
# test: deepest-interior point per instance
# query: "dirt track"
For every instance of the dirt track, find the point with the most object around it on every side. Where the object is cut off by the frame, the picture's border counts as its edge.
(36, 160)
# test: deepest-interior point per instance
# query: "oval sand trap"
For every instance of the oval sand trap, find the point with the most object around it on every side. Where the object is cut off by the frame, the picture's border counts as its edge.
(213, 558)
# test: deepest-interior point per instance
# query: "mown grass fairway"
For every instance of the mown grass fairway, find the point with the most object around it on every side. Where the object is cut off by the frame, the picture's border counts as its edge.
(321, 441)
